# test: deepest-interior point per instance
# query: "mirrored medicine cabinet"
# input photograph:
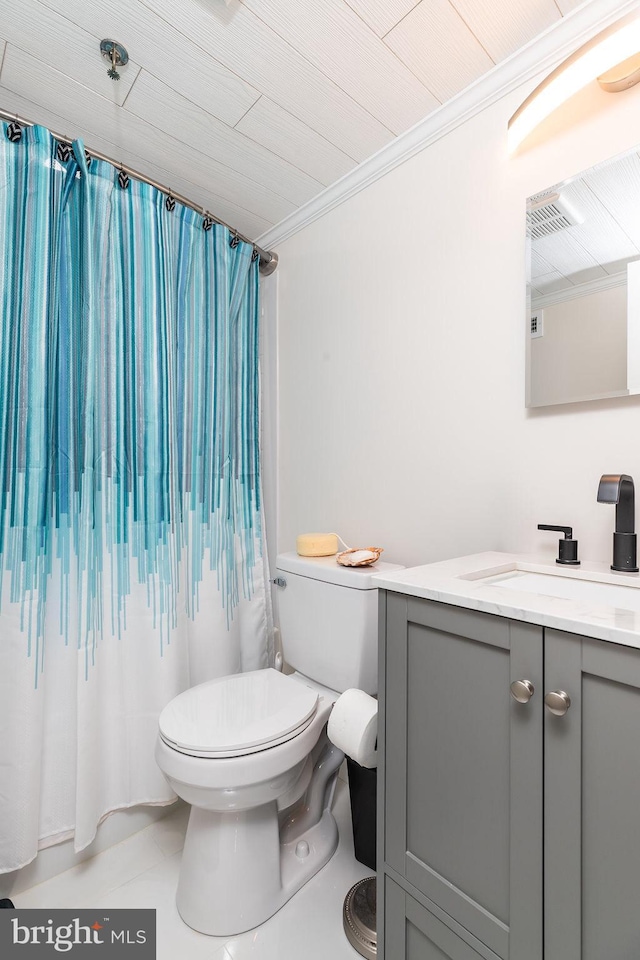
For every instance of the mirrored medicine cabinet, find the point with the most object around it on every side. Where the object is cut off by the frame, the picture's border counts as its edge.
(583, 286)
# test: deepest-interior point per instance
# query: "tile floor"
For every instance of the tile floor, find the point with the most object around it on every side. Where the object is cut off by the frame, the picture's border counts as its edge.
(142, 871)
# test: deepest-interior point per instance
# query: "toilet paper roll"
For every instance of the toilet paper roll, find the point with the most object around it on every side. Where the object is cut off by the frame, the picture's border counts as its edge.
(353, 726)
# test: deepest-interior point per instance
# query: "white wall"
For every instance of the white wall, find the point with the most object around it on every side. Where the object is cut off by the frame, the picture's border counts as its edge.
(583, 348)
(401, 362)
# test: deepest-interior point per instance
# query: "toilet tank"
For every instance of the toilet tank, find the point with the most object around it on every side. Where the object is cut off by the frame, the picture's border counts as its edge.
(329, 620)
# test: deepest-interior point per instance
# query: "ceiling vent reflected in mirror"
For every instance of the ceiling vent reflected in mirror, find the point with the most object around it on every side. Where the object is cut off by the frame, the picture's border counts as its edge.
(550, 212)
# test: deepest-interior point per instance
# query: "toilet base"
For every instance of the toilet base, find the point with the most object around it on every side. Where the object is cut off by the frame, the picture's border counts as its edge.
(240, 867)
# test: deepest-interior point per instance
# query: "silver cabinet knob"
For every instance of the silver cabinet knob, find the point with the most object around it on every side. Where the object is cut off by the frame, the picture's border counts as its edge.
(521, 690)
(557, 702)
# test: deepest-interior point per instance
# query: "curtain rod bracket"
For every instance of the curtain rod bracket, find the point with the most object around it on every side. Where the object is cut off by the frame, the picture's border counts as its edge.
(267, 267)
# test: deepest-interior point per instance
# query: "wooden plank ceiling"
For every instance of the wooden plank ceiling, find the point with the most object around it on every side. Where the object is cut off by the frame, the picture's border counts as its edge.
(251, 107)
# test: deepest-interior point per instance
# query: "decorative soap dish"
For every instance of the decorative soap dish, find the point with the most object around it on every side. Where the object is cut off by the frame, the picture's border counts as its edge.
(359, 557)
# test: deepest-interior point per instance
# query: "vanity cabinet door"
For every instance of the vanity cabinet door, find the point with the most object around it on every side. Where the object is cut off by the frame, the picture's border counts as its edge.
(413, 933)
(592, 801)
(462, 769)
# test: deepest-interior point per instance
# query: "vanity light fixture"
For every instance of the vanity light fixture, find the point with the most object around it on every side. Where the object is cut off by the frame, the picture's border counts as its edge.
(613, 57)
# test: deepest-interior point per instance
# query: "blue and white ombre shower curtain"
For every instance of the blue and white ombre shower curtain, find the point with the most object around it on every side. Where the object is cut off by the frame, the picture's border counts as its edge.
(131, 560)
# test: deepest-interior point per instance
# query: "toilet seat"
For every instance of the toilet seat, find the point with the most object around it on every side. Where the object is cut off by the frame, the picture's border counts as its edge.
(238, 715)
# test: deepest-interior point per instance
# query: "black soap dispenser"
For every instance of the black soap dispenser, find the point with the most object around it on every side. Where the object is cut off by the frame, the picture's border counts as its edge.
(567, 548)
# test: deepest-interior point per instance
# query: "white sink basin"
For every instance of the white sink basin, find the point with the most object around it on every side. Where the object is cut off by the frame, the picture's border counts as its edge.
(626, 597)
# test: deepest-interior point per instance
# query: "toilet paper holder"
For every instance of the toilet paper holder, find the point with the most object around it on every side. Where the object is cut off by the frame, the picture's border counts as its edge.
(353, 726)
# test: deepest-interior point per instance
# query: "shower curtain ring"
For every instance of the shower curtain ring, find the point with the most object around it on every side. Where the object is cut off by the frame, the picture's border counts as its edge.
(14, 131)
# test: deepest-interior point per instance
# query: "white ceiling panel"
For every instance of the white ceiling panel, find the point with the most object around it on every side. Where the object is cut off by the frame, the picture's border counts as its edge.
(613, 185)
(248, 223)
(49, 37)
(158, 47)
(539, 266)
(91, 113)
(566, 6)
(154, 102)
(327, 34)
(437, 45)
(382, 15)
(240, 40)
(503, 26)
(285, 135)
(566, 254)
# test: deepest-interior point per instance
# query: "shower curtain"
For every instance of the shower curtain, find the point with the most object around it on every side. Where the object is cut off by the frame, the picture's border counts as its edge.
(131, 560)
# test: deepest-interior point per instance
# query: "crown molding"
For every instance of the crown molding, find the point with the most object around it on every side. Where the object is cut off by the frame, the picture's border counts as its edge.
(548, 50)
(580, 290)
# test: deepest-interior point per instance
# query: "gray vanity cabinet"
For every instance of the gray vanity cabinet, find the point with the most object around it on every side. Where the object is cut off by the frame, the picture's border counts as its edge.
(469, 777)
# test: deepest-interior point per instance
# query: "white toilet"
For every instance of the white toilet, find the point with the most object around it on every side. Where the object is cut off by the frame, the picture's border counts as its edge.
(249, 752)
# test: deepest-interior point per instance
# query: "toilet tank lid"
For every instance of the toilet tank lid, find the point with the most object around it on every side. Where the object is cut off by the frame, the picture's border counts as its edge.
(329, 570)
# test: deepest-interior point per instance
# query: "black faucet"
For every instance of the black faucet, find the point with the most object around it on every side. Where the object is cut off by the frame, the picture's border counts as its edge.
(618, 488)
(567, 548)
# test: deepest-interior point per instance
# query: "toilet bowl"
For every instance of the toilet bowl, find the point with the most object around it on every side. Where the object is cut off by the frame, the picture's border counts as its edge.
(250, 754)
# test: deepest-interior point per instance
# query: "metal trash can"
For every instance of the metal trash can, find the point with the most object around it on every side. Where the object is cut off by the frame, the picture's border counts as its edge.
(359, 917)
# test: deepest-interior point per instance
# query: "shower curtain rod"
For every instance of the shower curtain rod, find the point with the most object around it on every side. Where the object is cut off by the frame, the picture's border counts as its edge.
(268, 259)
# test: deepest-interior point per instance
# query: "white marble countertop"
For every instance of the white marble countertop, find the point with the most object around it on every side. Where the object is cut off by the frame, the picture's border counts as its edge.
(463, 582)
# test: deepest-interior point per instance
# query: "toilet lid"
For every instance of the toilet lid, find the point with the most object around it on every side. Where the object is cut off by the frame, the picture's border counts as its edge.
(237, 714)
